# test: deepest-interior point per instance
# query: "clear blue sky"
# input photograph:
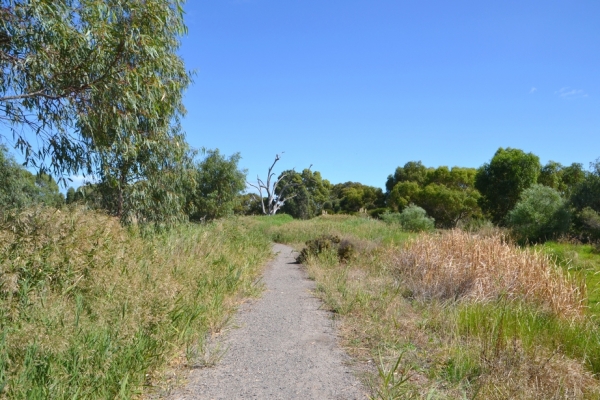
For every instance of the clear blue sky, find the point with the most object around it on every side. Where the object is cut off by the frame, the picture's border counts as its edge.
(357, 88)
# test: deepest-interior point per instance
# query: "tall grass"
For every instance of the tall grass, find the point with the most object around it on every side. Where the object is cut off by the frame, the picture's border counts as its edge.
(465, 316)
(456, 264)
(284, 229)
(92, 310)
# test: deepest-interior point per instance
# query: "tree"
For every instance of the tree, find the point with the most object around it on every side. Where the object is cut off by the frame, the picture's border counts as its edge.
(413, 171)
(219, 184)
(448, 195)
(448, 206)
(148, 184)
(249, 204)
(20, 188)
(89, 194)
(587, 193)
(561, 178)
(276, 195)
(503, 179)
(540, 214)
(351, 197)
(90, 78)
(308, 193)
(48, 191)
(403, 194)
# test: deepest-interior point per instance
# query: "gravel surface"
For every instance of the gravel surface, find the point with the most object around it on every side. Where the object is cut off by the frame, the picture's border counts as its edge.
(285, 346)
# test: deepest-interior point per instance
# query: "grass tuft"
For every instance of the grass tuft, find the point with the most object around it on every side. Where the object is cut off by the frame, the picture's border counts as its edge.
(455, 264)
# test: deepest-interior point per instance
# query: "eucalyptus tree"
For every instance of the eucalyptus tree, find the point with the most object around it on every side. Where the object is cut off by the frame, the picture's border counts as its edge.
(218, 186)
(20, 188)
(94, 85)
(97, 86)
(307, 193)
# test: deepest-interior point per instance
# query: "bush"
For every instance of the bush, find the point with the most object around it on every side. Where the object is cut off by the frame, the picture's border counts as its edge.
(540, 214)
(377, 212)
(314, 247)
(589, 221)
(457, 264)
(412, 219)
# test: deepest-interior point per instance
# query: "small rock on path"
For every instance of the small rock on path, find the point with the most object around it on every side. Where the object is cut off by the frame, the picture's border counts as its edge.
(285, 346)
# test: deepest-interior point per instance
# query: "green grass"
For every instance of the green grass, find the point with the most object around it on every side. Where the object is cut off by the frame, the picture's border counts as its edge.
(284, 229)
(583, 261)
(92, 310)
(501, 324)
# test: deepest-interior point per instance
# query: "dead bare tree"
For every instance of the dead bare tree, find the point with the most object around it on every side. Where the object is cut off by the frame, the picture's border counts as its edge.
(275, 199)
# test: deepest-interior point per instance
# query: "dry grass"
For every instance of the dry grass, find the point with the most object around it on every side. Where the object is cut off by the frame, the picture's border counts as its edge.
(457, 264)
(462, 332)
(93, 310)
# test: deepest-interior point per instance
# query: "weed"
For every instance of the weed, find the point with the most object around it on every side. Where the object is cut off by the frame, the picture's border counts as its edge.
(393, 381)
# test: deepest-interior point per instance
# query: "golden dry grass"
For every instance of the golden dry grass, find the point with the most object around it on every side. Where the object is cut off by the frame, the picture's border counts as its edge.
(457, 264)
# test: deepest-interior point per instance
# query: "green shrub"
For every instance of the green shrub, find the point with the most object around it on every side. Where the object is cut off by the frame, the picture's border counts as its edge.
(589, 220)
(412, 218)
(377, 212)
(540, 214)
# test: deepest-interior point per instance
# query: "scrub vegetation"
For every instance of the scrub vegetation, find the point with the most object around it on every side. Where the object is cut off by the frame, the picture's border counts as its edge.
(454, 314)
(458, 282)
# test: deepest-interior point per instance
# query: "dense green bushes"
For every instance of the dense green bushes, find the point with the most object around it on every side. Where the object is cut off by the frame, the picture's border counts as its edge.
(412, 219)
(540, 214)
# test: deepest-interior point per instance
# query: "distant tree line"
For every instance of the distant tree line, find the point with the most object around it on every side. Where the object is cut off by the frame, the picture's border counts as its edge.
(537, 202)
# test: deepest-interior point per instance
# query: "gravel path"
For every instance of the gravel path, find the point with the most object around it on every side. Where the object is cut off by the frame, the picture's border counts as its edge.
(285, 347)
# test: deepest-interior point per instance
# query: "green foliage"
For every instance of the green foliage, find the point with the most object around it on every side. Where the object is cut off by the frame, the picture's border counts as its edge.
(91, 310)
(587, 193)
(413, 171)
(449, 206)
(219, 183)
(589, 223)
(249, 204)
(501, 324)
(376, 212)
(540, 214)
(412, 219)
(352, 197)
(561, 178)
(89, 194)
(448, 195)
(502, 181)
(90, 77)
(151, 187)
(306, 194)
(284, 229)
(48, 192)
(403, 194)
(19, 188)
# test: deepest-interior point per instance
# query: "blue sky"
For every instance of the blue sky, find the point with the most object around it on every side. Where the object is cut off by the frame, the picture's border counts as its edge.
(357, 88)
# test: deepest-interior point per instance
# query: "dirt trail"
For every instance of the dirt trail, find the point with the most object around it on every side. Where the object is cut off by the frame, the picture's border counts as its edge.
(285, 347)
